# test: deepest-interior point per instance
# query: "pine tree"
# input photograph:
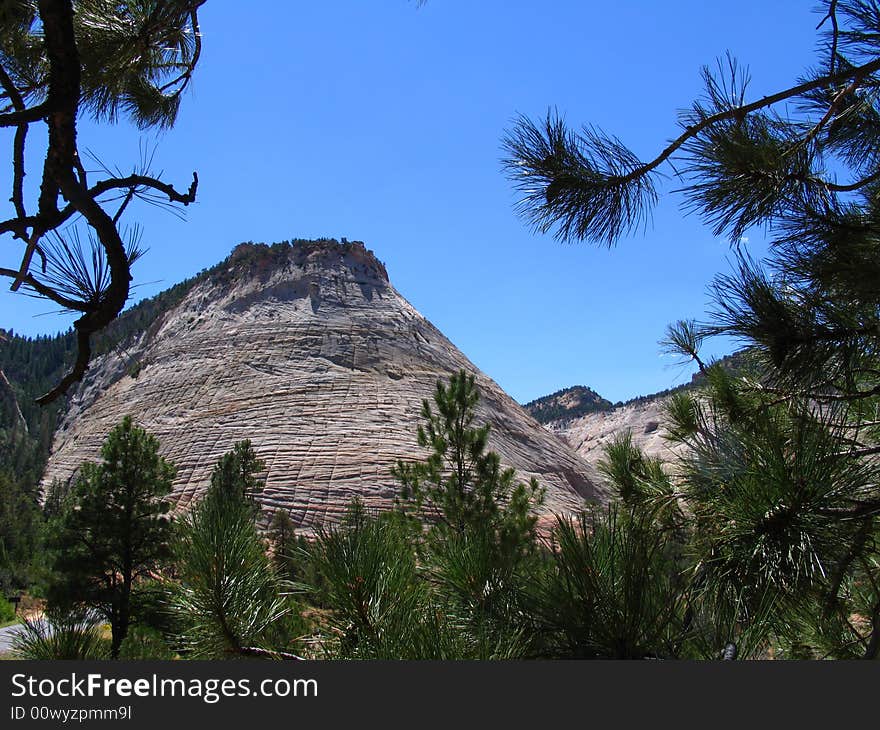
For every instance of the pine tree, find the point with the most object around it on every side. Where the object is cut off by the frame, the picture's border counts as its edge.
(114, 528)
(461, 485)
(482, 537)
(781, 475)
(59, 59)
(229, 599)
(282, 537)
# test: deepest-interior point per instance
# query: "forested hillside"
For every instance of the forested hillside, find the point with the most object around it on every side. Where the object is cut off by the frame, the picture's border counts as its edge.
(572, 402)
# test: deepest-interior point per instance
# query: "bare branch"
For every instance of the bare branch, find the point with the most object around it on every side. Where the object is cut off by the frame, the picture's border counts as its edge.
(26, 260)
(25, 116)
(835, 33)
(135, 181)
(17, 145)
(129, 196)
(268, 653)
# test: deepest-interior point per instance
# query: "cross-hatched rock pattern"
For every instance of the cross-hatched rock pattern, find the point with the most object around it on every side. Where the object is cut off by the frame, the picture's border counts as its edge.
(312, 355)
(589, 434)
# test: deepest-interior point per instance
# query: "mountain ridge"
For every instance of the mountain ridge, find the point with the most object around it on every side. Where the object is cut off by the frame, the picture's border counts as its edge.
(566, 403)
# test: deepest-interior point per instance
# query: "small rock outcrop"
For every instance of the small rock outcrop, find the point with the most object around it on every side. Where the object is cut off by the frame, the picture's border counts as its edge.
(567, 404)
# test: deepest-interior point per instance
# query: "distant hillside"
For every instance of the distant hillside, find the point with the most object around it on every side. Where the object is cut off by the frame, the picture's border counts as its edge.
(643, 417)
(572, 402)
(579, 400)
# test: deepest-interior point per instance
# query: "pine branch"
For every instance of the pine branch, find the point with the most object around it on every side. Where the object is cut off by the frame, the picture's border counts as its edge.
(48, 291)
(163, 30)
(185, 77)
(592, 187)
(740, 112)
(268, 653)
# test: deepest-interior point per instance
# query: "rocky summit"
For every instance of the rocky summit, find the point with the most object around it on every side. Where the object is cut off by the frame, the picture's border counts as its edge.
(308, 351)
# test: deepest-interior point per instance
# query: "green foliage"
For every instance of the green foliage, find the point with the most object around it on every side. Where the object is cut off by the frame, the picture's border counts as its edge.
(457, 590)
(461, 485)
(566, 404)
(613, 590)
(758, 516)
(681, 417)
(369, 569)
(235, 478)
(7, 612)
(779, 475)
(28, 368)
(642, 482)
(282, 537)
(136, 56)
(113, 529)
(298, 566)
(381, 605)
(151, 606)
(485, 587)
(66, 635)
(482, 540)
(584, 184)
(772, 490)
(143, 642)
(628, 469)
(20, 533)
(228, 598)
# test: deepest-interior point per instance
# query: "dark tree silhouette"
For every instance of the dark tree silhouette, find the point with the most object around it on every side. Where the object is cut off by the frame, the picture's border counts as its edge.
(780, 474)
(113, 529)
(59, 59)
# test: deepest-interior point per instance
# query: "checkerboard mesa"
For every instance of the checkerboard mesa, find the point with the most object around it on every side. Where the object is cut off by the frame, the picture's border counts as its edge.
(306, 349)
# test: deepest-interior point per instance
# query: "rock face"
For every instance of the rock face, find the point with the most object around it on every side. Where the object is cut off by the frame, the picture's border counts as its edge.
(308, 351)
(588, 434)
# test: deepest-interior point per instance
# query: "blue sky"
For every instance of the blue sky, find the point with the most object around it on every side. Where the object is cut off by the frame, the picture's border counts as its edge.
(381, 122)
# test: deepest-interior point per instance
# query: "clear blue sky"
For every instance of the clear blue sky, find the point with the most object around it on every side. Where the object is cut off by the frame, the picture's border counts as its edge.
(381, 122)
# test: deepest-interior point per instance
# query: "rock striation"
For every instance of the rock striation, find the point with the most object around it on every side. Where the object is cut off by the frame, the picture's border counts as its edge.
(589, 434)
(588, 422)
(308, 351)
